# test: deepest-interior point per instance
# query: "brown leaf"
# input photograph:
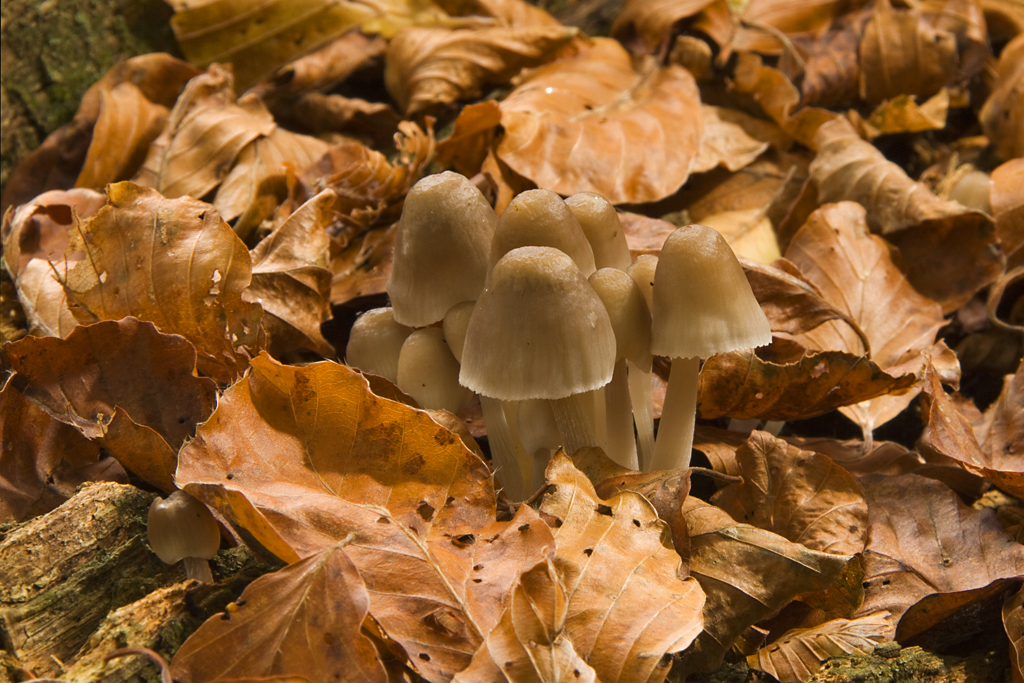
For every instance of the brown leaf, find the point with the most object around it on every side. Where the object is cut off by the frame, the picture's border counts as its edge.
(831, 72)
(645, 235)
(748, 574)
(1008, 209)
(472, 134)
(44, 300)
(903, 114)
(799, 653)
(742, 385)
(122, 384)
(529, 644)
(800, 495)
(303, 457)
(303, 620)
(291, 280)
(651, 21)
(324, 68)
(568, 123)
(616, 562)
(204, 134)
(363, 267)
(855, 272)
(507, 182)
(144, 261)
(43, 460)
(886, 457)
(923, 542)
(1013, 622)
(763, 21)
(732, 139)
(1002, 116)
(516, 13)
(322, 114)
(900, 54)
(430, 66)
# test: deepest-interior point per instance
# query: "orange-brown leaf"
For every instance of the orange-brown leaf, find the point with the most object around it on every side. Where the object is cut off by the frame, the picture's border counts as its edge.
(652, 21)
(1008, 209)
(472, 134)
(1013, 622)
(1002, 117)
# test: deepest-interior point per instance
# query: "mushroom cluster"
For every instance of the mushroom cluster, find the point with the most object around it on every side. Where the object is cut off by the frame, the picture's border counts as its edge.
(544, 316)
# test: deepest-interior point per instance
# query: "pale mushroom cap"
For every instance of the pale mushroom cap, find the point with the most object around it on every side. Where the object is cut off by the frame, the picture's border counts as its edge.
(180, 526)
(441, 248)
(628, 312)
(703, 304)
(538, 331)
(429, 373)
(375, 342)
(456, 321)
(539, 218)
(601, 225)
(642, 272)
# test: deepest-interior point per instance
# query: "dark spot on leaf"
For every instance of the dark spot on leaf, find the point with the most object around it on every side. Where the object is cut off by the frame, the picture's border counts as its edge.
(225, 616)
(524, 527)
(425, 511)
(636, 522)
(477, 567)
(866, 584)
(886, 582)
(230, 476)
(449, 501)
(181, 420)
(464, 540)
(854, 528)
(383, 520)
(424, 656)
(478, 580)
(604, 510)
(947, 562)
(588, 552)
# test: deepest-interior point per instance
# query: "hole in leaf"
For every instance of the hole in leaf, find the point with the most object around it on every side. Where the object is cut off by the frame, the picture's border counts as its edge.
(477, 567)
(588, 552)
(636, 522)
(425, 511)
(424, 656)
(449, 501)
(383, 520)
(478, 580)
(464, 540)
(886, 582)
(604, 510)
(230, 477)
(524, 527)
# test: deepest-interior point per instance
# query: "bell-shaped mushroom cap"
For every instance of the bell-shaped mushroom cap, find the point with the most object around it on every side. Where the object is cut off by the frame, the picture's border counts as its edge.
(537, 331)
(429, 373)
(601, 225)
(456, 321)
(629, 314)
(375, 342)
(703, 304)
(642, 272)
(441, 248)
(539, 218)
(180, 527)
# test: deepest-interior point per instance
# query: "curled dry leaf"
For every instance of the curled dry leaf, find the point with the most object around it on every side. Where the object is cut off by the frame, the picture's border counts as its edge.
(800, 495)
(143, 260)
(43, 459)
(1013, 622)
(363, 267)
(472, 135)
(732, 139)
(749, 233)
(529, 642)
(260, 37)
(1002, 117)
(831, 69)
(901, 54)
(591, 122)
(1008, 209)
(303, 457)
(799, 653)
(903, 114)
(324, 68)
(430, 66)
(291, 280)
(616, 562)
(517, 13)
(268, 630)
(651, 21)
(645, 235)
(748, 574)
(323, 114)
(923, 542)
(123, 385)
(204, 134)
(855, 272)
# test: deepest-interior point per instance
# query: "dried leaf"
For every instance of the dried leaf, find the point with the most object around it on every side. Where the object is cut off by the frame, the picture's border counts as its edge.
(363, 267)
(903, 114)
(900, 54)
(799, 653)
(568, 123)
(1002, 117)
(258, 38)
(529, 644)
(143, 261)
(303, 457)
(323, 114)
(831, 71)
(44, 300)
(517, 13)
(472, 134)
(303, 620)
(291, 280)
(616, 562)
(855, 272)
(748, 574)
(645, 235)
(324, 68)
(800, 495)
(1013, 622)
(653, 21)
(731, 138)
(749, 233)
(122, 384)
(430, 66)
(1008, 209)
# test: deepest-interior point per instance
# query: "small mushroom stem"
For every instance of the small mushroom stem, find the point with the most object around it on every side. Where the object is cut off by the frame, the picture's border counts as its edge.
(511, 411)
(675, 433)
(503, 452)
(573, 422)
(643, 412)
(197, 568)
(621, 441)
(541, 459)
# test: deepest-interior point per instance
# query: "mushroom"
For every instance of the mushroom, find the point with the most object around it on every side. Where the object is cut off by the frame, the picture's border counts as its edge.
(973, 189)
(539, 218)
(429, 373)
(703, 305)
(441, 248)
(540, 331)
(375, 343)
(600, 223)
(642, 272)
(180, 528)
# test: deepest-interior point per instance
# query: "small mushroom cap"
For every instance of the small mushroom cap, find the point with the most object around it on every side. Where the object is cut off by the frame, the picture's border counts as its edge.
(456, 322)
(180, 526)
(629, 314)
(703, 304)
(429, 373)
(441, 248)
(539, 218)
(642, 272)
(375, 342)
(538, 330)
(601, 225)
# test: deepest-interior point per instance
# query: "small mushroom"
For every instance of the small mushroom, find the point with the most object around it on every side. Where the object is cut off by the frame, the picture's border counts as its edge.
(375, 343)
(180, 528)
(540, 218)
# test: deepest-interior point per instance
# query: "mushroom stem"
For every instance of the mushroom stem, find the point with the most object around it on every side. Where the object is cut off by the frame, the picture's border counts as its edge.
(675, 433)
(619, 415)
(643, 412)
(503, 452)
(573, 422)
(197, 568)
(511, 409)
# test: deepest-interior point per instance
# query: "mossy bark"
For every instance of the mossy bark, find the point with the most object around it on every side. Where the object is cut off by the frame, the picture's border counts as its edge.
(52, 51)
